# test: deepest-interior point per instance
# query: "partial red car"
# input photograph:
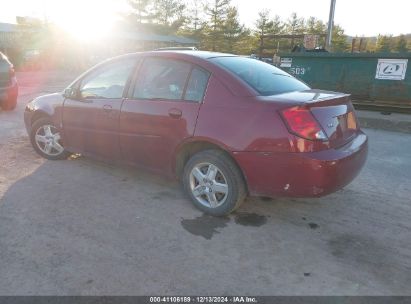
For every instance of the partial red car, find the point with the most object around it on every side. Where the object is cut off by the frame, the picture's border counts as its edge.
(226, 126)
(8, 84)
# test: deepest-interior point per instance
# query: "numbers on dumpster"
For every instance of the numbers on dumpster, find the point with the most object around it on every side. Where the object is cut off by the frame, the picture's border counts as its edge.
(298, 71)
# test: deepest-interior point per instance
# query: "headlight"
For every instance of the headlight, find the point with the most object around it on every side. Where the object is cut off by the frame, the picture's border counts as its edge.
(31, 106)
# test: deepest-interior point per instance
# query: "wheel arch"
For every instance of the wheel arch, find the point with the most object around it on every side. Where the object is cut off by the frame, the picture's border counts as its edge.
(188, 148)
(37, 115)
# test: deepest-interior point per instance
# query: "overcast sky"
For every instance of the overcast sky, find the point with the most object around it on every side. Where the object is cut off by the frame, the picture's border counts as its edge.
(357, 17)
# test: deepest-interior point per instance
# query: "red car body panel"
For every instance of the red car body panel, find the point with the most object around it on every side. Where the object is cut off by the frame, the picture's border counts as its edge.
(8, 82)
(150, 131)
(303, 174)
(232, 116)
(92, 127)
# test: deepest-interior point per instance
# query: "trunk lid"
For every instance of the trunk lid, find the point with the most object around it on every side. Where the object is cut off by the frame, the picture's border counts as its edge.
(333, 111)
(337, 118)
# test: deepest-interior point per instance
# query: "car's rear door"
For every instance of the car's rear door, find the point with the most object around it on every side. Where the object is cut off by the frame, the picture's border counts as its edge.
(161, 111)
(91, 118)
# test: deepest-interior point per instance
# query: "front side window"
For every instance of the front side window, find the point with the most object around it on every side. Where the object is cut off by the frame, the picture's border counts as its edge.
(107, 82)
(161, 78)
(263, 77)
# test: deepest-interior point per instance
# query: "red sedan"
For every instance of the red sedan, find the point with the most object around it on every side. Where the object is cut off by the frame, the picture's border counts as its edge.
(8, 84)
(226, 126)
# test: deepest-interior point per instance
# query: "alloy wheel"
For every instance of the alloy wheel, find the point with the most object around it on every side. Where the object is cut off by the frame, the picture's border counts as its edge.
(208, 185)
(48, 140)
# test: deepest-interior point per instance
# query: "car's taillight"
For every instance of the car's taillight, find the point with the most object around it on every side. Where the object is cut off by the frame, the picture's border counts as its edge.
(302, 123)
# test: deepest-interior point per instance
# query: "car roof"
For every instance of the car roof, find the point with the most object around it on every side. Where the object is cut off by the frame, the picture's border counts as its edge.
(183, 53)
(199, 54)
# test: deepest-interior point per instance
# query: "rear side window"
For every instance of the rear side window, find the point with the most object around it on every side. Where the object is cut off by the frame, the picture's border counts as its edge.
(197, 85)
(262, 77)
(162, 79)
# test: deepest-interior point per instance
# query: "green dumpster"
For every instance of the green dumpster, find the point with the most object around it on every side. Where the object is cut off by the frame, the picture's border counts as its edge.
(373, 79)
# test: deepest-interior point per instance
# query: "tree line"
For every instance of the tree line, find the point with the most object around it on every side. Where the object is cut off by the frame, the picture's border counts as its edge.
(215, 24)
(389, 43)
(217, 27)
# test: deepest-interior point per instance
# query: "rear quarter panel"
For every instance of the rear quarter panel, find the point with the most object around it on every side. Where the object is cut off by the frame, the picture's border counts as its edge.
(241, 123)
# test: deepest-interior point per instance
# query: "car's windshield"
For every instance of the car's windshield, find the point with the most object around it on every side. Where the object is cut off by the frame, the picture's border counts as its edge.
(264, 78)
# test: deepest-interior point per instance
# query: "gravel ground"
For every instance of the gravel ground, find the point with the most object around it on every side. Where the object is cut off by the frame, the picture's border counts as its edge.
(82, 227)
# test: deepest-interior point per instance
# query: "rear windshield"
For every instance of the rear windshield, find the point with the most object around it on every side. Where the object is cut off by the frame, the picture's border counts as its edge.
(263, 77)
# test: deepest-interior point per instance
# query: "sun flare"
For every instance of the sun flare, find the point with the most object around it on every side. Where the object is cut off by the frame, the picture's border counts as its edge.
(87, 20)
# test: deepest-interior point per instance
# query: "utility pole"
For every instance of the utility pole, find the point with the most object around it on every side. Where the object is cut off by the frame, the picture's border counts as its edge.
(330, 25)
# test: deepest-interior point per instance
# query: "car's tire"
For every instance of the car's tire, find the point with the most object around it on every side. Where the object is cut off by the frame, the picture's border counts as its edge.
(9, 104)
(214, 182)
(46, 141)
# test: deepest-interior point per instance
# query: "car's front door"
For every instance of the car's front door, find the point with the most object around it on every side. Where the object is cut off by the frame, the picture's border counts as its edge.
(91, 117)
(161, 111)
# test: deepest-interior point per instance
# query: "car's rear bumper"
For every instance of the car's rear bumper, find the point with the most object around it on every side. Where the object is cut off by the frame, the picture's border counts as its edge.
(303, 174)
(9, 92)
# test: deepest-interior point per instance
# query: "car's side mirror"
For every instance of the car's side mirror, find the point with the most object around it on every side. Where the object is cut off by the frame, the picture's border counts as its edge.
(70, 93)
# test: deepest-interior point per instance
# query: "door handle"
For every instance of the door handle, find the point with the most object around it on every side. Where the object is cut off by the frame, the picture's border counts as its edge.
(175, 113)
(107, 108)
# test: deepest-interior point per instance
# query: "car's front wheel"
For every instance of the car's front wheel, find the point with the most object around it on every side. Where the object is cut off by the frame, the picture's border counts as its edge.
(46, 140)
(214, 182)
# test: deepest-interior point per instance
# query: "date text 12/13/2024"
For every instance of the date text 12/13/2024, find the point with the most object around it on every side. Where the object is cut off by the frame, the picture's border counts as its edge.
(199, 299)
